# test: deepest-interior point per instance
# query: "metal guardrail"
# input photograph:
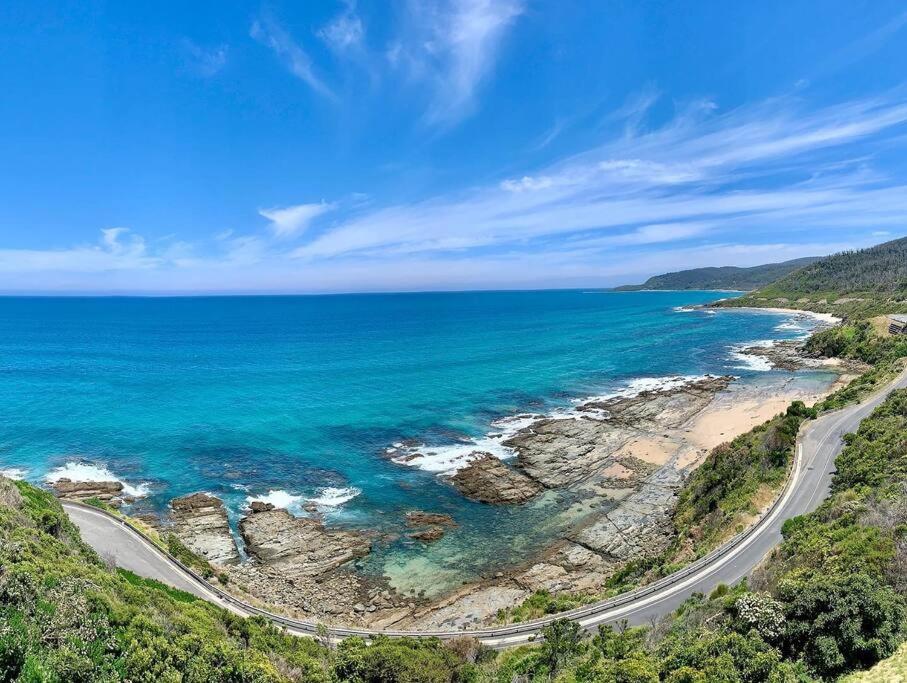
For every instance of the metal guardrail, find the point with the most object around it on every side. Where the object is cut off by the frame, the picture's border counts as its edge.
(528, 627)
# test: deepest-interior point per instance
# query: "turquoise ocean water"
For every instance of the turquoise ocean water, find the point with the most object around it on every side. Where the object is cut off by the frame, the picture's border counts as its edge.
(299, 398)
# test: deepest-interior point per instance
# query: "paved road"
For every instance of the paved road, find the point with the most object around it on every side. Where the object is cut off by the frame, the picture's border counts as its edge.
(819, 444)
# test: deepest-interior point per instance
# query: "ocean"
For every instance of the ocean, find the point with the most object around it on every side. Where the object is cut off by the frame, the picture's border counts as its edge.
(299, 399)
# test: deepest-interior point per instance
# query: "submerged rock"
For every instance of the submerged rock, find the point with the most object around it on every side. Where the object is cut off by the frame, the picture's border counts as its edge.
(420, 518)
(299, 546)
(428, 534)
(489, 480)
(433, 525)
(110, 492)
(200, 521)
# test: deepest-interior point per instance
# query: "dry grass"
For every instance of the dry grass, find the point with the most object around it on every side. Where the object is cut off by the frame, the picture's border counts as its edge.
(880, 325)
(891, 670)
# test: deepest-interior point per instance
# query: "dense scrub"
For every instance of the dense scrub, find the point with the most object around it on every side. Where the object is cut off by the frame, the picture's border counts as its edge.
(857, 341)
(723, 491)
(723, 277)
(853, 284)
(881, 269)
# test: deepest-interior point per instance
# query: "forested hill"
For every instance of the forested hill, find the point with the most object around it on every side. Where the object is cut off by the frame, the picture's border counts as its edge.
(856, 284)
(725, 277)
(882, 268)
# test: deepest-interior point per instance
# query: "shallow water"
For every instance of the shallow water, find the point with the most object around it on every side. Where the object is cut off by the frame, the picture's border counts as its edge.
(299, 398)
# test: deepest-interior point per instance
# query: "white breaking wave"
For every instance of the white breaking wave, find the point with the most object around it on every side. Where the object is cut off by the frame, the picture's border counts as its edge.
(332, 496)
(83, 471)
(750, 362)
(790, 325)
(328, 497)
(13, 473)
(279, 499)
(448, 458)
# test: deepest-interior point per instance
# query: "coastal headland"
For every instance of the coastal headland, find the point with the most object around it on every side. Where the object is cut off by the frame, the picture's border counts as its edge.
(619, 461)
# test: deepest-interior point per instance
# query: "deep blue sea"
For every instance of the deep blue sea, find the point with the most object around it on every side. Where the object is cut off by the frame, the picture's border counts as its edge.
(299, 398)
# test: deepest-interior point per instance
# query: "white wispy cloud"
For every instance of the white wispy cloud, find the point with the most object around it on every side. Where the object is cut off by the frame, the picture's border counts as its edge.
(753, 166)
(452, 45)
(345, 31)
(116, 249)
(268, 32)
(290, 221)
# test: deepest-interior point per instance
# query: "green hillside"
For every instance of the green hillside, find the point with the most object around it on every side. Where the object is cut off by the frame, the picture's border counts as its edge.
(724, 277)
(854, 284)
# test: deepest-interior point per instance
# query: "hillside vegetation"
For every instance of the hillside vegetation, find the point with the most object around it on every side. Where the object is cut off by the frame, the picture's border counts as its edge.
(854, 284)
(724, 277)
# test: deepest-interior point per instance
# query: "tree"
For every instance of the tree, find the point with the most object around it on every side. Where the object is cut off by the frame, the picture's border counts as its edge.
(840, 623)
(562, 641)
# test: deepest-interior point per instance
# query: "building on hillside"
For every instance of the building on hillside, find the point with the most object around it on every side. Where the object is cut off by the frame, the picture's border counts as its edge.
(897, 324)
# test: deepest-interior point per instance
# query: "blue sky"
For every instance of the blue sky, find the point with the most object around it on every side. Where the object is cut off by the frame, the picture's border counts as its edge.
(326, 146)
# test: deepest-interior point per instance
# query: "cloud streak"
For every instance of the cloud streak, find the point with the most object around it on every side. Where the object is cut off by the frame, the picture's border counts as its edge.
(273, 36)
(748, 167)
(291, 221)
(452, 46)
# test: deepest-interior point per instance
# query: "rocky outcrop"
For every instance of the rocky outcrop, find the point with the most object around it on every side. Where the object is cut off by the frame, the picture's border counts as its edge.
(301, 565)
(110, 492)
(341, 597)
(300, 547)
(568, 567)
(560, 453)
(469, 608)
(489, 480)
(9, 493)
(200, 521)
(640, 526)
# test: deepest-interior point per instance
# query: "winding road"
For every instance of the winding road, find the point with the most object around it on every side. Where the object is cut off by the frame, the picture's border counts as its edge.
(818, 445)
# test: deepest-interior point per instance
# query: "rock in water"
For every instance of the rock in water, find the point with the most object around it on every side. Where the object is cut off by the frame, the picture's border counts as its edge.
(432, 525)
(488, 480)
(428, 534)
(110, 492)
(420, 518)
(200, 521)
(298, 546)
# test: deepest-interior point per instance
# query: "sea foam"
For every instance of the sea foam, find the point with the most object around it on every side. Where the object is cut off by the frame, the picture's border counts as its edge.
(448, 458)
(327, 497)
(332, 496)
(13, 473)
(748, 361)
(85, 471)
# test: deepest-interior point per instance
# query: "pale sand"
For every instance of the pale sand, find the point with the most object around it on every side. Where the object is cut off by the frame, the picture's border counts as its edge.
(727, 417)
(617, 471)
(654, 450)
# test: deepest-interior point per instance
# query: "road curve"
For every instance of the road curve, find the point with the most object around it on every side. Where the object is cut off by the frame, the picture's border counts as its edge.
(819, 443)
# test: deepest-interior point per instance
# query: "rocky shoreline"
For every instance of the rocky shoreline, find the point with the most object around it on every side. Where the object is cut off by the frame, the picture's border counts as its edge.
(620, 460)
